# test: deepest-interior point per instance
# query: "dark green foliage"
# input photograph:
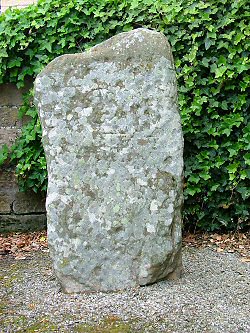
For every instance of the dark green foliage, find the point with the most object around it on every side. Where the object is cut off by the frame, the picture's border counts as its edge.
(27, 154)
(211, 46)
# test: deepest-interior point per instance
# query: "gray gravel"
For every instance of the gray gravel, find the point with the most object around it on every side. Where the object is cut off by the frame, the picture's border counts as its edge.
(212, 296)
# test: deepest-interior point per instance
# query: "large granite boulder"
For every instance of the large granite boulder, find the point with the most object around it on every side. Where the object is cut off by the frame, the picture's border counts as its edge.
(113, 143)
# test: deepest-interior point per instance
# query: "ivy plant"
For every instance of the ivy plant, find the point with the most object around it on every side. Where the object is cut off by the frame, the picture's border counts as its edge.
(27, 153)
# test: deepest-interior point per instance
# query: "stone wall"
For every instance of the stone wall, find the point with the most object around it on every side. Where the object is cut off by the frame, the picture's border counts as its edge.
(18, 211)
(14, 3)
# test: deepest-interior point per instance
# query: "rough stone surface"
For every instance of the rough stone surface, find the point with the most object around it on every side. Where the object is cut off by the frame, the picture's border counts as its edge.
(22, 223)
(113, 142)
(19, 202)
(10, 95)
(14, 204)
(5, 203)
(8, 189)
(9, 116)
(8, 136)
(26, 203)
(19, 211)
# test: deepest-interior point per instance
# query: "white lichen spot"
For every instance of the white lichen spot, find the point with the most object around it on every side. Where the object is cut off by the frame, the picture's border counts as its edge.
(57, 108)
(150, 228)
(154, 206)
(81, 162)
(108, 225)
(106, 128)
(141, 182)
(130, 168)
(78, 110)
(76, 242)
(124, 221)
(92, 218)
(69, 116)
(52, 197)
(116, 209)
(111, 172)
(87, 111)
(65, 199)
(170, 208)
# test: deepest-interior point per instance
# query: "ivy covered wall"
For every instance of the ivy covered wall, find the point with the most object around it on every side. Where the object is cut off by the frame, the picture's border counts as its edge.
(19, 211)
(211, 47)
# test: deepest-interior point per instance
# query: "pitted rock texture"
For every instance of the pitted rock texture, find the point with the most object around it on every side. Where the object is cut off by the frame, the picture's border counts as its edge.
(113, 142)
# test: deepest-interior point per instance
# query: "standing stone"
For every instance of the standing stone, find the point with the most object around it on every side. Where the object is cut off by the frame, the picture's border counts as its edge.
(113, 142)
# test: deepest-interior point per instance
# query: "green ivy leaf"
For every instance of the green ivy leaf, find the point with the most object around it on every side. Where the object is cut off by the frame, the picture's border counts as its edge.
(4, 152)
(220, 71)
(247, 158)
(204, 176)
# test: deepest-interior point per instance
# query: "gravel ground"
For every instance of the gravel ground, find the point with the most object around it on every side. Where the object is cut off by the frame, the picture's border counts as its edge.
(212, 296)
